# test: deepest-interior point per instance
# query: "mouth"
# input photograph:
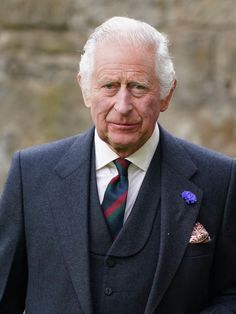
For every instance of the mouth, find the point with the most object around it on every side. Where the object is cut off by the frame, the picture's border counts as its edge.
(124, 126)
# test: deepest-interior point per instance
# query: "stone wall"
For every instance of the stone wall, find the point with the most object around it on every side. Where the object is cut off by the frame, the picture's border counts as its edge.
(40, 45)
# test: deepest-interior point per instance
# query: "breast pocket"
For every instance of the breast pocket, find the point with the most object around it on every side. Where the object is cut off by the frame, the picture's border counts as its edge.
(200, 250)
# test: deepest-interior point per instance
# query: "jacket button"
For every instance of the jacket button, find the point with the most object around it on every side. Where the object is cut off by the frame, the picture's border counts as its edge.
(110, 262)
(108, 291)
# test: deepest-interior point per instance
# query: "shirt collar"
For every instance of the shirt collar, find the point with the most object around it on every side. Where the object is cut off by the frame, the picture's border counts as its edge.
(141, 158)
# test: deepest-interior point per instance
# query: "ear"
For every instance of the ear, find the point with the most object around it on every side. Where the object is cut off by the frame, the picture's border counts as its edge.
(84, 94)
(166, 100)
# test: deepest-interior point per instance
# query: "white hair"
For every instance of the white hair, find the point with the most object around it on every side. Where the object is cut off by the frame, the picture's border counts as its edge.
(120, 29)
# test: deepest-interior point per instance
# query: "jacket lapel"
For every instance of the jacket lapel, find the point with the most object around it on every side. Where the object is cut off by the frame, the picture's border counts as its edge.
(177, 217)
(69, 196)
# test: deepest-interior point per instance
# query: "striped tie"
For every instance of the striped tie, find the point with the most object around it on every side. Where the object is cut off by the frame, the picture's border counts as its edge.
(114, 201)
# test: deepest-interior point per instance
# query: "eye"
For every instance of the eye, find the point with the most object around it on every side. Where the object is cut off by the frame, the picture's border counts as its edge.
(139, 86)
(137, 89)
(111, 85)
(110, 88)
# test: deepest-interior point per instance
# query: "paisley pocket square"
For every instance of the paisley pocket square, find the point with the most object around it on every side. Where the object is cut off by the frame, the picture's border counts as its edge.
(199, 234)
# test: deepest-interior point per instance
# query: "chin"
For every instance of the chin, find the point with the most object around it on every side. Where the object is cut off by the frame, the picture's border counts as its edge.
(121, 141)
(124, 147)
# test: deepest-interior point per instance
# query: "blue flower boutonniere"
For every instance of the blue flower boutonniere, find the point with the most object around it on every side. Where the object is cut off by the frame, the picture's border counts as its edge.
(189, 197)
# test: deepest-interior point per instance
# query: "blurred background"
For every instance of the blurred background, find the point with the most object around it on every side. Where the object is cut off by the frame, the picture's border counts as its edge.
(40, 47)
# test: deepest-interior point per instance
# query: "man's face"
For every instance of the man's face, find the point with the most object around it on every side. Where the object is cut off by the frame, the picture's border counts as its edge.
(125, 97)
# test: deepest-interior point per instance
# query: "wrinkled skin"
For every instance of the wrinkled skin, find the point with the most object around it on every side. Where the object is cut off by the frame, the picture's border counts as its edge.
(125, 96)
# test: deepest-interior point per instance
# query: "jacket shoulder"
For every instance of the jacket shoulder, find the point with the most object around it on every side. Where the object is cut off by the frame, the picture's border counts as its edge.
(49, 154)
(212, 163)
(54, 147)
(180, 154)
(200, 153)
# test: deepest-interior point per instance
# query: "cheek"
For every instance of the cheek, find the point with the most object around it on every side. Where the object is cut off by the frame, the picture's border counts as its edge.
(149, 110)
(100, 108)
(101, 105)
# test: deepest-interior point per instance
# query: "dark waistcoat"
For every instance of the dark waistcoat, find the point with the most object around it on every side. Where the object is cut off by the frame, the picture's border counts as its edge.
(122, 272)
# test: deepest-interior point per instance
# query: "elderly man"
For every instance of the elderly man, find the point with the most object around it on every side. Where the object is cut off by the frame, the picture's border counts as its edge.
(125, 218)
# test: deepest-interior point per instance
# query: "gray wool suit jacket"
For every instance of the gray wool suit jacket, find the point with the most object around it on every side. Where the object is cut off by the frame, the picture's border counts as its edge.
(44, 258)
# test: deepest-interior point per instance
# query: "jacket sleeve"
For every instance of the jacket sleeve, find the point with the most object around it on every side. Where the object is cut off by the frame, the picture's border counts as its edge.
(13, 265)
(223, 277)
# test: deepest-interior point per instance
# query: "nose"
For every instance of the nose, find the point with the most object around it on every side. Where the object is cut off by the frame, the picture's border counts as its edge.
(123, 101)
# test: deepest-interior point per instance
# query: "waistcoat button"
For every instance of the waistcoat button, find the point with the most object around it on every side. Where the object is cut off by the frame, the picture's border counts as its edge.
(110, 262)
(108, 291)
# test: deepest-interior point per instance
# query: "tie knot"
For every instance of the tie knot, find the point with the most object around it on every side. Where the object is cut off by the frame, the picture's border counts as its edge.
(122, 166)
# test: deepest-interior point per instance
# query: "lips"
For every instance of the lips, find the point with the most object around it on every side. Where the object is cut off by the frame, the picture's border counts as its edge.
(124, 125)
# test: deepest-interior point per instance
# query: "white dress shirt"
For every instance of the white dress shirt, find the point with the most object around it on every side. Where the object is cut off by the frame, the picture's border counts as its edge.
(140, 161)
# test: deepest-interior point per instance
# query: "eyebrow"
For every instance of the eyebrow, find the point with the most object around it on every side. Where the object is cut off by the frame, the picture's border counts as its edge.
(141, 82)
(107, 79)
(113, 79)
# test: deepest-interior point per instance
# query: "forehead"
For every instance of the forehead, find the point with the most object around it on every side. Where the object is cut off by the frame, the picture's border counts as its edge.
(132, 60)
